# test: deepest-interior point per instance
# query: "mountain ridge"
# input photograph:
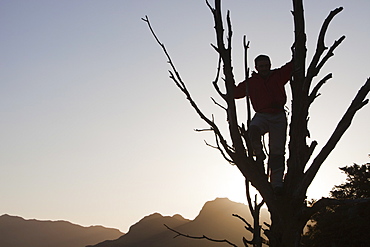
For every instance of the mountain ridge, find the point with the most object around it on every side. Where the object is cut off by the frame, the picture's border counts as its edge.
(215, 220)
(16, 231)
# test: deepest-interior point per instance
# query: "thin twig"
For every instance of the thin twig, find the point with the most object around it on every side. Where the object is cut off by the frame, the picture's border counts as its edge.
(200, 237)
(246, 73)
(201, 130)
(222, 152)
(216, 103)
(249, 226)
(217, 88)
(314, 94)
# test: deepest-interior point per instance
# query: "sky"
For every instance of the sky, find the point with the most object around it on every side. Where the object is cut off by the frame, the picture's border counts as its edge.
(93, 131)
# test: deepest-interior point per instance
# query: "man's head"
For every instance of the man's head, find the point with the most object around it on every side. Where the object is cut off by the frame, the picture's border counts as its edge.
(263, 65)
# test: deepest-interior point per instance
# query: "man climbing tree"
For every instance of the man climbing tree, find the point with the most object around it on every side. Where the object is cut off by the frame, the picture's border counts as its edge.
(267, 93)
(289, 213)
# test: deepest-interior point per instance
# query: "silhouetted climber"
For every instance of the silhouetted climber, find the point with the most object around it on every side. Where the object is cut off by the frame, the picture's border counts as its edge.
(268, 97)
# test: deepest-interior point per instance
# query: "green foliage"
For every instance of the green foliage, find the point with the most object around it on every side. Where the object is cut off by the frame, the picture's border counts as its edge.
(357, 185)
(345, 225)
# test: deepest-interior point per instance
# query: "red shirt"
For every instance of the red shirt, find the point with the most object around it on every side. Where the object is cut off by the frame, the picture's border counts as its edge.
(267, 95)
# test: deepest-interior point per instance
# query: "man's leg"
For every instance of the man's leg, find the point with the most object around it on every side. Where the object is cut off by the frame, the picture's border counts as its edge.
(276, 164)
(255, 137)
(257, 128)
(277, 140)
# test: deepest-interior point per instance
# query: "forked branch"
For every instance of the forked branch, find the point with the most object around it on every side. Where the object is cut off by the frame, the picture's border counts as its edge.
(314, 69)
(250, 228)
(224, 52)
(218, 147)
(175, 76)
(314, 94)
(358, 102)
(330, 53)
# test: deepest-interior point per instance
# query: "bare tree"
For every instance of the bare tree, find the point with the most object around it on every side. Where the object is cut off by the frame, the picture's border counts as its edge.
(289, 212)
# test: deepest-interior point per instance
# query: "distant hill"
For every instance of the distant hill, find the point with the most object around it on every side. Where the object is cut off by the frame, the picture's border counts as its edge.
(215, 220)
(18, 232)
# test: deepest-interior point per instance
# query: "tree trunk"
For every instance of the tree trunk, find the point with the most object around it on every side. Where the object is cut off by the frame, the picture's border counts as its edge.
(286, 225)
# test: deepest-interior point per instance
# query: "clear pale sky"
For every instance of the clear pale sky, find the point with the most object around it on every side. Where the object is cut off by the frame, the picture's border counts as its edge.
(94, 132)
